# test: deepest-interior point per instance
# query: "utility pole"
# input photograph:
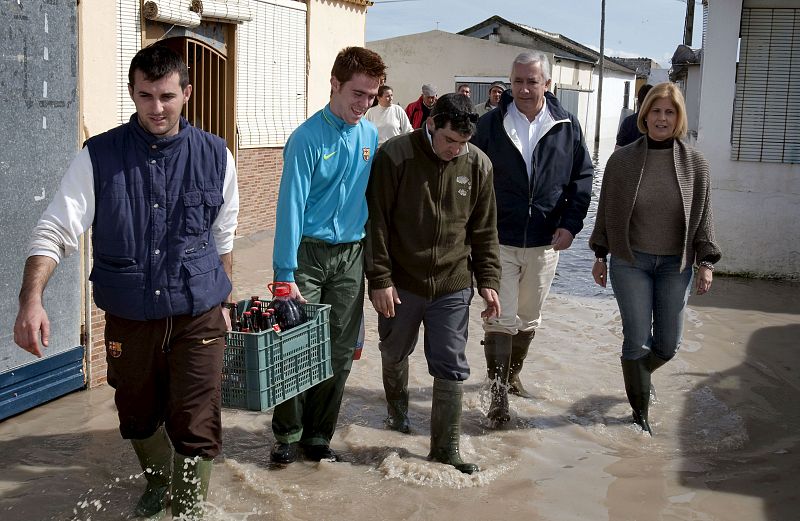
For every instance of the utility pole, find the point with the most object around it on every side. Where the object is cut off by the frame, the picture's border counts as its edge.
(688, 25)
(600, 82)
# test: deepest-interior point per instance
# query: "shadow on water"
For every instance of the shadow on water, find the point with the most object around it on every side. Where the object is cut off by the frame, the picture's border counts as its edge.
(765, 296)
(762, 393)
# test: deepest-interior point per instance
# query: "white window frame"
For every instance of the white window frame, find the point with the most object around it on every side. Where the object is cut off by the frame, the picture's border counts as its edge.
(271, 73)
(766, 112)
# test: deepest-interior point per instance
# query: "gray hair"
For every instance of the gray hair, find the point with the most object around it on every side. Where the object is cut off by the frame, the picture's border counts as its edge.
(429, 90)
(534, 57)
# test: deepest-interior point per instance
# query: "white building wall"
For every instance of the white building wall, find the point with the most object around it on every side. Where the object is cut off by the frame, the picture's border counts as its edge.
(613, 100)
(98, 83)
(692, 96)
(756, 205)
(332, 26)
(439, 57)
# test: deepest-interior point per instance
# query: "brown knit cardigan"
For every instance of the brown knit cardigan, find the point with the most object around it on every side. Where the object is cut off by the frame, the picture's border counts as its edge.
(621, 180)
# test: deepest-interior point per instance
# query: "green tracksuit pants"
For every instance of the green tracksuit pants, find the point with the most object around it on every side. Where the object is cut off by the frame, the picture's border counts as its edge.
(326, 274)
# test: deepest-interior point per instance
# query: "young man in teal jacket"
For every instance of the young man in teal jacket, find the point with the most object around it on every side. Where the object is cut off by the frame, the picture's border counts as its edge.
(319, 229)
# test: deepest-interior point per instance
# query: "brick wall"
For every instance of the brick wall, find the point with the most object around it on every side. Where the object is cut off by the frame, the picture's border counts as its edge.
(259, 174)
(97, 350)
(259, 171)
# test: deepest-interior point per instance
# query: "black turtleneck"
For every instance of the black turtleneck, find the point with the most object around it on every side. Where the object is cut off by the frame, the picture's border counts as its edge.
(660, 145)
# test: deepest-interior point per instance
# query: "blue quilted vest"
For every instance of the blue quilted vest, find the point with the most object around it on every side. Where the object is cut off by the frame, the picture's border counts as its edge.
(155, 201)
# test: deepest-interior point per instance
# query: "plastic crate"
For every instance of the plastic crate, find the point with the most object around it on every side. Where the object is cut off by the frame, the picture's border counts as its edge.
(261, 370)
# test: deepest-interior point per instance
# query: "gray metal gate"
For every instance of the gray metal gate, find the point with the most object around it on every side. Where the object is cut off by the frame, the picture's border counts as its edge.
(39, 126)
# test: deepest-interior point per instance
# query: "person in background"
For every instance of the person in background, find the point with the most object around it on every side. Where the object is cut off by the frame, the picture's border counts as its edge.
(431, 229)
(496, 89)
(543, 184)
(654, 218)
(418, 111)
(629, 130)
(319, 227)
(161, 270)
(390, 120)
(464, 89)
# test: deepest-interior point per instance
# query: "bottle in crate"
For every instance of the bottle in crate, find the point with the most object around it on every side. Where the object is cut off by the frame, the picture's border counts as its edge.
(288, 312)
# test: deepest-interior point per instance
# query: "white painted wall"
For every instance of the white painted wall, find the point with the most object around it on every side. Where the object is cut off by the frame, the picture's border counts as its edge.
(98, 66)
(613, 100)
(439, 57)
(692, 96)
(332, 26)
(756, 205)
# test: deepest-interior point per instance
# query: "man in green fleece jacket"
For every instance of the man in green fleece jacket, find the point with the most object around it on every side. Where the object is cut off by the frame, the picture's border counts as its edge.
(432, 228)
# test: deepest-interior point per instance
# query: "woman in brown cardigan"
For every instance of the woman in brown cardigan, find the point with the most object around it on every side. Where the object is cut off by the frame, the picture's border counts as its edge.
(654, 218)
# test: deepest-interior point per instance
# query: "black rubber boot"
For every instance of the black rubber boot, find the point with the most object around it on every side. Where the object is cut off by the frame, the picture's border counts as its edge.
(155, 458)
(497, 347)
(653, 363)
(446, 425)
(189, 486)
(520, 344)
(395, 385)
(637, 387)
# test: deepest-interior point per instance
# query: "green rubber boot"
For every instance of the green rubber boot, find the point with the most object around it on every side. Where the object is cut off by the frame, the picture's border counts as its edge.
(520, 344)
(497, 348)
(395, 385)
(155, 458)
(637, 387)
(446, 425)
(189, 486)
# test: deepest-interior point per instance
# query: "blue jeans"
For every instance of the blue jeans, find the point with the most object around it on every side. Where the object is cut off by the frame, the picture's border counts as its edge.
(651, 293)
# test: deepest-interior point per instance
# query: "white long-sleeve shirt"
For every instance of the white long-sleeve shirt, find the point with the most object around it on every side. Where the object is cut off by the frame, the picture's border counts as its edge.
(525, 134)
(390, 121)
(71, 212)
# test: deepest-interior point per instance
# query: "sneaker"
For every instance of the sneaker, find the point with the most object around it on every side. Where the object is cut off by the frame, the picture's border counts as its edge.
(320, 453)
(283, 453)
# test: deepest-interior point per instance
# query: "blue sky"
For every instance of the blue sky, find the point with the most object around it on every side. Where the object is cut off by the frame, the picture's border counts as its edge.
(651, 28)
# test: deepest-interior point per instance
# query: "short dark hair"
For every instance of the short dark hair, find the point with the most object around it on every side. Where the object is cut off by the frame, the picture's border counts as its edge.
(155, 62)
(642, 94)
(457, 110)
(358, 60)
(384, 88)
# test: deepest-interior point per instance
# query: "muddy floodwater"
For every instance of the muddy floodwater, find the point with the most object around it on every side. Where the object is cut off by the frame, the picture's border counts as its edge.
(726, 424)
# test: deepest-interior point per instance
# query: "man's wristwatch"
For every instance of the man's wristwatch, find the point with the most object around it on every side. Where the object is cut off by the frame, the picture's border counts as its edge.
(600, 259)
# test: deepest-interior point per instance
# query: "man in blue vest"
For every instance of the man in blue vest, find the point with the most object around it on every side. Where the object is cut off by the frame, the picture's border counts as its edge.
(162, 200)
(322, 210)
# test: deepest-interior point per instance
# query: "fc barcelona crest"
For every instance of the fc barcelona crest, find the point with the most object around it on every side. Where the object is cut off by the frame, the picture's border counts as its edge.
(365, 153)
(114, 349)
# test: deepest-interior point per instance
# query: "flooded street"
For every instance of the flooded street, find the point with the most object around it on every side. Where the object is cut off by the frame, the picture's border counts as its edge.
(726, 424)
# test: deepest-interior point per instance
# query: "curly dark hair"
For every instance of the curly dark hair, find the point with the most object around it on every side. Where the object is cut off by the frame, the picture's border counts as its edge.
(457, 110)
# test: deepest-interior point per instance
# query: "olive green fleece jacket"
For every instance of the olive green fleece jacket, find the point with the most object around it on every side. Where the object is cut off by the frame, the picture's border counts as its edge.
(432, 223)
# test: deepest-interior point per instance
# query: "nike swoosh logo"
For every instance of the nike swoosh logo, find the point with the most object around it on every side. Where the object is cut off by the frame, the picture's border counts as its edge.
(206, 342)
(328, 156)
